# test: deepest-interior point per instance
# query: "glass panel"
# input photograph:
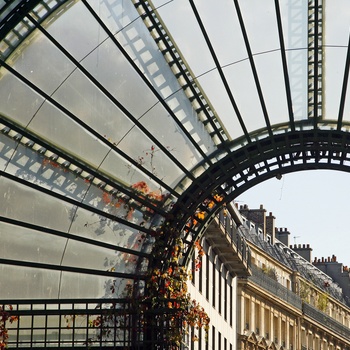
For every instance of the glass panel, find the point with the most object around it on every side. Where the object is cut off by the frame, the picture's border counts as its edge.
(7, 148)
(35, 168)
(75, 285)
(127, 173)
(10, 90)
(228, 48)
(214, 89)
(93, 226)
(116, 74)
(18, 282)
(150, 156)
(82, 255)
(187, 35)
(335, 61)
(50, 123)
(336, 40)
(22, 244)
(85, 34)
(115, 14)
(187, 116)
(337, 23)
(257, 15)
(347, 104)
(246, 95)
(117, 205)
(81, 97)
(270, 71)
(29, 62)
(25, 204)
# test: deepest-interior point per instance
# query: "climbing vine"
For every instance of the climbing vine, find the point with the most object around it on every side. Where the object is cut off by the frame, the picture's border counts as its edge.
(169, 288)
(322, 302)
(166, 307)
(5, 316)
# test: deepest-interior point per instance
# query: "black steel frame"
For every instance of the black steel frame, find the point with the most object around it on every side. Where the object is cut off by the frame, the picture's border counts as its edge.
(235, 167)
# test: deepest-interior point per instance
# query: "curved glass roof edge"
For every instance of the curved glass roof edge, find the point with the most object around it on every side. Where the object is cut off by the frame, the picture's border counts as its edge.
(181, 69)
(260, 134)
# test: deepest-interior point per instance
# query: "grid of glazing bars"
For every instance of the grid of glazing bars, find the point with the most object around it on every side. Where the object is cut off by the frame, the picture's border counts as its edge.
(79, 324)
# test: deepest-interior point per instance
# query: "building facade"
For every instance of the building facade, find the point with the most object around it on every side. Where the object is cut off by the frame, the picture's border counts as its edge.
(282, 302)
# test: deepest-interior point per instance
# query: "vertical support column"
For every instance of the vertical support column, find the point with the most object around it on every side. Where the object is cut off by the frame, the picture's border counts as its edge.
(262, 325)
(252, 314)
(315, 60)
(279, 329)
(288, 336)
(272, 333)
(240, 310)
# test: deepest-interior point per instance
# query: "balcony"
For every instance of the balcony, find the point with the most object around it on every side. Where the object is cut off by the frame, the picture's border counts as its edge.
(229, 244)
(275, 288)
(325, 320)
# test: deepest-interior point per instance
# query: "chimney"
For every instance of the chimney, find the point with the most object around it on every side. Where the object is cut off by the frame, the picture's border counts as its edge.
(258, 216)
(270, 227)
(283, 236)
(303, 250)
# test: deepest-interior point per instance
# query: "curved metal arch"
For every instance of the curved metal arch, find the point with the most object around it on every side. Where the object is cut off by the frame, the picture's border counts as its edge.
(254, 163)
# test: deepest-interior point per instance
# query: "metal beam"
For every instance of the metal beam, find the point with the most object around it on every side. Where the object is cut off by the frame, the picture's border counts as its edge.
(315, 60)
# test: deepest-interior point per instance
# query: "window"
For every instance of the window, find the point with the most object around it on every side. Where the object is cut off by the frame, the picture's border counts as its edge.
(291, 335)
(207, 265)
(275, 329)
(200, 339)
(247, 314)
(257, 318)
(267, 323)
(192, 338)
(193, 271)
(213, 338)
(200, 282)
(231, 296)
(213, 283)
(226, 304)
(220, 291)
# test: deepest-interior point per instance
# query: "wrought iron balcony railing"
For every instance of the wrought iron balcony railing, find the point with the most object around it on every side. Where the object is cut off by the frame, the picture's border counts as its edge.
(274, 287)
(326, 320)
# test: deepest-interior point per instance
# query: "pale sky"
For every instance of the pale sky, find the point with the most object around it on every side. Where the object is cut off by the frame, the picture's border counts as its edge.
(312, 205)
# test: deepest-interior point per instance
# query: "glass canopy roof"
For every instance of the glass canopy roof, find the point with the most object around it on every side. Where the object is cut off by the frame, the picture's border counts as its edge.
(116, 115)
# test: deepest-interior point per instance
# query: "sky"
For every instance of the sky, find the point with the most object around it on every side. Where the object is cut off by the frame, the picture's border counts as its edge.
(312, 205)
